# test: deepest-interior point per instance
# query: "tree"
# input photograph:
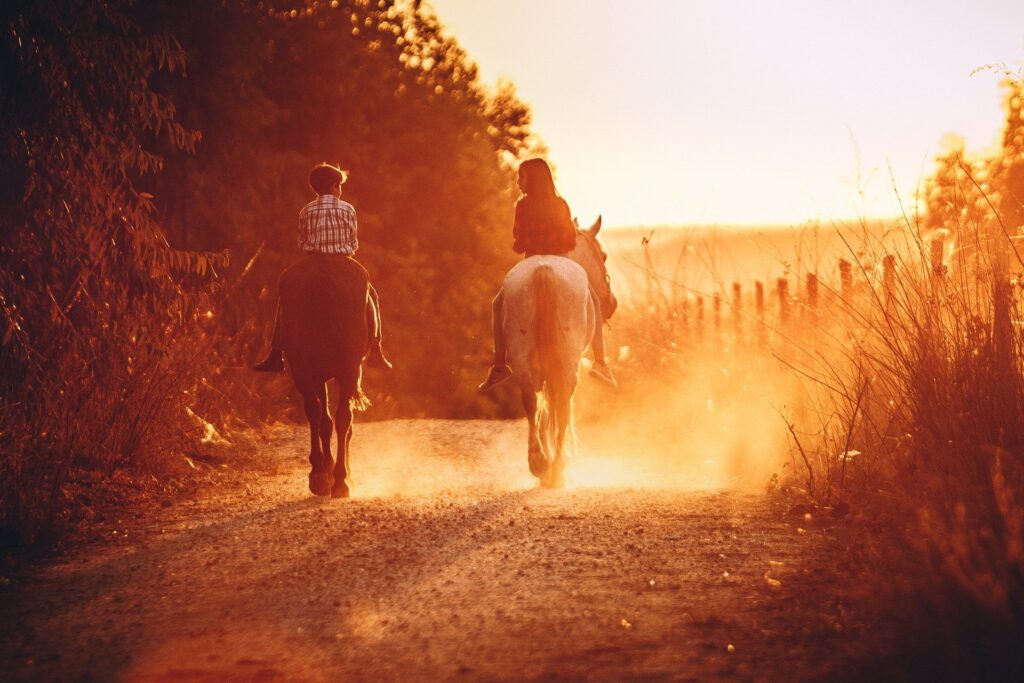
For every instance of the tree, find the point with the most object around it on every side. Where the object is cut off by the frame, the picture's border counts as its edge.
(89, 286)
(379, 88)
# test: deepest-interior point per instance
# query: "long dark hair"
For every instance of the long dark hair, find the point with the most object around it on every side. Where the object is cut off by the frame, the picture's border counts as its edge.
(543, 205)
(538, 178)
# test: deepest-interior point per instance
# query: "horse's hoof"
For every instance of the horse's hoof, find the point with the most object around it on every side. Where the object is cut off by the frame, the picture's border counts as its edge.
(319, 484)
(538, 463)
(340, 491)
(554, 480)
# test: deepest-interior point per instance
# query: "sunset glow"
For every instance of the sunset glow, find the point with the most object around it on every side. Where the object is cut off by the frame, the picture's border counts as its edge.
(665, 112)
(307, 372)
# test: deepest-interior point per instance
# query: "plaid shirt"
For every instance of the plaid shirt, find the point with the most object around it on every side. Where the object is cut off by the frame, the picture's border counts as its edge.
(327, 225)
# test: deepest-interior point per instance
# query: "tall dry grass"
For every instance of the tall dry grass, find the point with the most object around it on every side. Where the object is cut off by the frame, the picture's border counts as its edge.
(927, 388)
(700, 393)
(921, 415)
(900, 391)
(893, 397)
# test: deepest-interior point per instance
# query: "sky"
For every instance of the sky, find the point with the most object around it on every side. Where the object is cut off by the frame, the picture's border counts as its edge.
(667, 112)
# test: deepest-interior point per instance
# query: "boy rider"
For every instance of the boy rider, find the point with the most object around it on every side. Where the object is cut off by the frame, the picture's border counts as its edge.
(327, 225)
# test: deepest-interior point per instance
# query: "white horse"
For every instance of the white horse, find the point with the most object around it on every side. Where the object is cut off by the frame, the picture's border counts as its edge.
(552, 305)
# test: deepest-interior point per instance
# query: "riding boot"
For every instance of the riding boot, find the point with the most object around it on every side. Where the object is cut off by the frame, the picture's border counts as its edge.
(600, 370)
(499, 372)
(375, 358)
(274, 362)
(495, 376)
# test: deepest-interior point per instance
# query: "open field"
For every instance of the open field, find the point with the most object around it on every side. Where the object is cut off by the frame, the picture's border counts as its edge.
(706, 259)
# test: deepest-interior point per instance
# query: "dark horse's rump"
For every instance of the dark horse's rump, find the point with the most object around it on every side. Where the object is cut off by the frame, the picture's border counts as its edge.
(323, 318)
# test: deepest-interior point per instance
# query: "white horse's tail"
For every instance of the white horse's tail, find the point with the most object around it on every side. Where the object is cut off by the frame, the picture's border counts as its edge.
(552, 360)
(545, 307)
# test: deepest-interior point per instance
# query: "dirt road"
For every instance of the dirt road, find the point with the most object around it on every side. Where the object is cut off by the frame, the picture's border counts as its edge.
(446, 564)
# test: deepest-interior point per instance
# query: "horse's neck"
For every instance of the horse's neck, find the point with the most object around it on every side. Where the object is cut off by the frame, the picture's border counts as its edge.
(578, 256)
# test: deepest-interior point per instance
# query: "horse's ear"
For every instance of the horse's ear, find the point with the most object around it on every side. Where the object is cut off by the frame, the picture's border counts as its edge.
(576, 223)
(595, 228)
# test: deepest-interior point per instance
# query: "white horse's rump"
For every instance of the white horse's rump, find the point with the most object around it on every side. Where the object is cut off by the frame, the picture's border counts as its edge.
(548, 318)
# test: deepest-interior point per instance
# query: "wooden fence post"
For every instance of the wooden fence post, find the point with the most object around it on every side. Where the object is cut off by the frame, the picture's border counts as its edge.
(812, 296)
(700, 314)
(782, 287)
(888, 278)
(759, 306)
(846, 280)
(737, 307)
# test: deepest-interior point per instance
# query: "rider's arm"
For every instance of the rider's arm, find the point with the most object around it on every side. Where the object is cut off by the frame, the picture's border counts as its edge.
(304, 229)
(518, 230)
(567, 229)
(351, 235)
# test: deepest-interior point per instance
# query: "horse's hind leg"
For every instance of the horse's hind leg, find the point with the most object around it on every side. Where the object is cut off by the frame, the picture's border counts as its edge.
(319, 475)
(538, 461)
(326, 431)
(343, 423)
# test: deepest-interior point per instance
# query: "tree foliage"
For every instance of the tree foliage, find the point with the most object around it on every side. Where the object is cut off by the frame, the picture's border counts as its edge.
(980, 197)
(381, 89)
(95, 305)
(143, 141)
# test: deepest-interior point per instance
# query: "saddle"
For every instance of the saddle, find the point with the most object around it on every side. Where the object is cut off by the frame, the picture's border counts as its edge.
(341, 270)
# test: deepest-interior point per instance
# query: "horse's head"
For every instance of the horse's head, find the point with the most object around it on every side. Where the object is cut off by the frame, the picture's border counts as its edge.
(589, 254)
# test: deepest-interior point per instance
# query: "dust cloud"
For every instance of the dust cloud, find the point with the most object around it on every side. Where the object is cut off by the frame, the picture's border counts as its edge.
(709, 422)
(701, 399)
(400, 458)
(714, 426)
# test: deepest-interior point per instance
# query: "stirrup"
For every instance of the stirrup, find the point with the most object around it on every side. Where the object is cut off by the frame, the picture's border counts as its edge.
(377, 359)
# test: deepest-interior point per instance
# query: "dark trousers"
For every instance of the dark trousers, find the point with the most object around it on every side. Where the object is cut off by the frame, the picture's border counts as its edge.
(501, 348)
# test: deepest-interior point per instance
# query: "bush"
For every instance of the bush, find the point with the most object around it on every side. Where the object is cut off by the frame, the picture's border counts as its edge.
(119, 351)
(96, 307)
(927, 388)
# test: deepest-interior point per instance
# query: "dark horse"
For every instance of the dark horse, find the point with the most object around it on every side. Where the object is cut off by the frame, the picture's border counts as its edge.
(324, 337)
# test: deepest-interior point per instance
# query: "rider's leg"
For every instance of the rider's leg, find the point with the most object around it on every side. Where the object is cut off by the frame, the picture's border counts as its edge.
(500, 351)
(375, 358)
(600, 369)
(500, 371)
(274, 362)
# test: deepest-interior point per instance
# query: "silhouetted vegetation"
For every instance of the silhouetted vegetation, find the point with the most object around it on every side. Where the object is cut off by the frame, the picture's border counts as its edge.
(155, 158)
(144, 143)
(899, 379)
(931, 392)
